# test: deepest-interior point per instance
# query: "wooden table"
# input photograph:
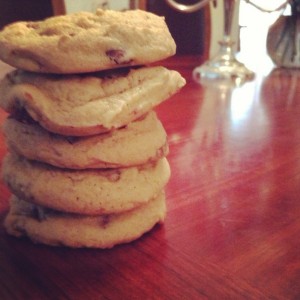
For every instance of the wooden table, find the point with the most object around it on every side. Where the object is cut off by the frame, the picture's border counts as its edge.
(233, 224)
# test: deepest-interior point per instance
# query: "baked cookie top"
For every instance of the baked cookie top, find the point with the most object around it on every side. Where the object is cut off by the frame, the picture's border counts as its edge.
(86, 104)
(43, 225)
(86, 42)
(92, 192)
(141, 141)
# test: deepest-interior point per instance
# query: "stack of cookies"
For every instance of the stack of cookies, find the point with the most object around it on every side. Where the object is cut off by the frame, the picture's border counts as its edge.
(87, 160)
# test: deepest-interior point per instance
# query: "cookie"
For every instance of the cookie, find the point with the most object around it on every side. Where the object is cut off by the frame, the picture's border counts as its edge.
(84, 191)
(141, 141)
(79, 105)
(87, 42)
(61, 229)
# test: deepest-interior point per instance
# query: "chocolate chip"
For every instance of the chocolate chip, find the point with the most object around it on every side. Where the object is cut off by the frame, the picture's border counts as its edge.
(118, 56)
(39, 213)
(104, 220)
(72, 139)
(34, 211)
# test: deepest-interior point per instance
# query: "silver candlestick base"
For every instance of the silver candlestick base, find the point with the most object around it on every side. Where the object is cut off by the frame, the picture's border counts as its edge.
(224, 66)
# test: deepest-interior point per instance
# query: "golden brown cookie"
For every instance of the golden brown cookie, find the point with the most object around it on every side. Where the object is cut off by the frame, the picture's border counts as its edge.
(141, 141)
(88, 104)
(55, 228)
(84, 191)
(86, 42)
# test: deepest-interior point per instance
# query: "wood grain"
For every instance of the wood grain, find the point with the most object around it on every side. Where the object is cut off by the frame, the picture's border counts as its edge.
(233, 224)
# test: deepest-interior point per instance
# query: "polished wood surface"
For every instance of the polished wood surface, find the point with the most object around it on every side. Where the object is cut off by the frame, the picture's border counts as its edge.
(233, 224)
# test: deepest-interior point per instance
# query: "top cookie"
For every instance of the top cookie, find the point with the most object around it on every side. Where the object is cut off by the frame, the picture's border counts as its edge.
(86, 42)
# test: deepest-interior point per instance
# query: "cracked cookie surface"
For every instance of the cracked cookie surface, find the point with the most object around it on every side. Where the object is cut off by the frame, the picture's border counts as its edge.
(80, 105)
(91, 192)
(55, 228)
(141, 141)
(86, 42)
